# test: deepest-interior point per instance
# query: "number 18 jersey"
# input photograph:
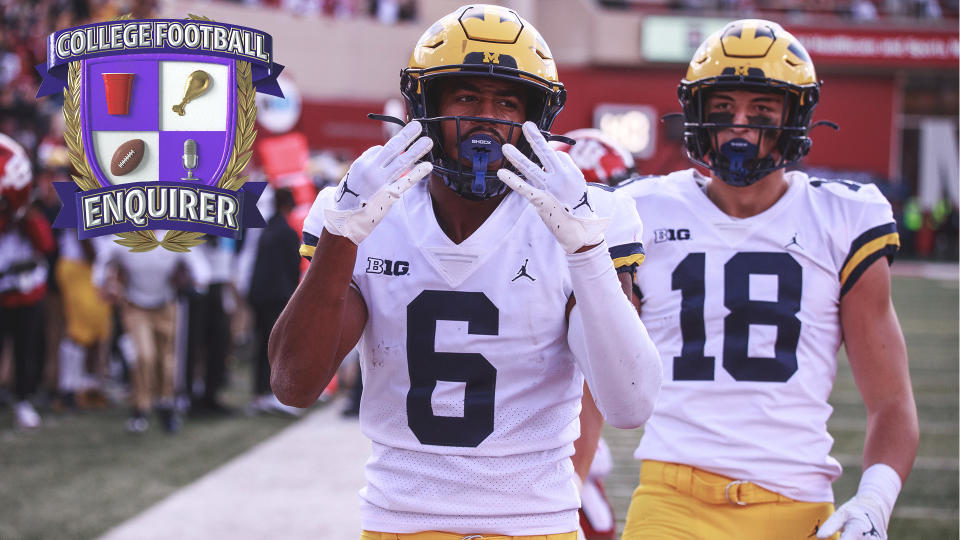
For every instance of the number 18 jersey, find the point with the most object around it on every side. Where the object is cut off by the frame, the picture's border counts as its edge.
(745, 314)
(471, 395)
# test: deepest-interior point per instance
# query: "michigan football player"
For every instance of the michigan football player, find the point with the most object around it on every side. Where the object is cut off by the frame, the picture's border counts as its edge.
(754, 278)
(482, 298)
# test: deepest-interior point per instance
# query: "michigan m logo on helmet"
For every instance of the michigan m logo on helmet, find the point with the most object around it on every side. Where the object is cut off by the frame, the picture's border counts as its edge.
(479, 41)
(757, 56)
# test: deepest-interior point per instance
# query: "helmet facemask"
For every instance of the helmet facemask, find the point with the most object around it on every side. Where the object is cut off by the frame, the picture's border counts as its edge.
(738, 162)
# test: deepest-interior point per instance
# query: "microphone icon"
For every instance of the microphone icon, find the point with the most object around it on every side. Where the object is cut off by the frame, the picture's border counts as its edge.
(190, 158)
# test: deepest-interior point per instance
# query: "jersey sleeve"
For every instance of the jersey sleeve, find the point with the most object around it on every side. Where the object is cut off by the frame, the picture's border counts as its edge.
(313, 224)
(624, 231)
(874, 235)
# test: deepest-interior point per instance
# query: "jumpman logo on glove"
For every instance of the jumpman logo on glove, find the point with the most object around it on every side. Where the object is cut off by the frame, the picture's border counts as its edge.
(344, 189)
(584, 201)
(873, 529)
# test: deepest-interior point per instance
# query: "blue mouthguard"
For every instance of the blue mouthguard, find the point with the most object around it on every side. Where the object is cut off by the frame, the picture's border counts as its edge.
(738, 152)
(480, 149)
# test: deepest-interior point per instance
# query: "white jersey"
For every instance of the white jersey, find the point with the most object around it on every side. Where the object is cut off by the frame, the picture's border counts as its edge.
(745, 314)
(471, 395)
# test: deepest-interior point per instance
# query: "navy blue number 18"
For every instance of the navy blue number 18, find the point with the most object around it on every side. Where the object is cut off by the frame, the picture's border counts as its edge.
(426, 366)
(688, 278)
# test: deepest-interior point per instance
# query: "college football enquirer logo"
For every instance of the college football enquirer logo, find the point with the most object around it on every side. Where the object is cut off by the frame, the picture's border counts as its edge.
(159, 125)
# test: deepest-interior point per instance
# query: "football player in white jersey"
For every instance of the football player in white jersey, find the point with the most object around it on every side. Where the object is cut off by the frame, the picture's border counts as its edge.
(754, 277)
(460, 290)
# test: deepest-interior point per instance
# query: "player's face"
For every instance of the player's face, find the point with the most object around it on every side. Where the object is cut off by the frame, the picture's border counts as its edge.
(743, 107)
(485, 98)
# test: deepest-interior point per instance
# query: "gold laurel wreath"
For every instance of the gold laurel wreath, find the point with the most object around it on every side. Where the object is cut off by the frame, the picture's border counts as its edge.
(232, 179)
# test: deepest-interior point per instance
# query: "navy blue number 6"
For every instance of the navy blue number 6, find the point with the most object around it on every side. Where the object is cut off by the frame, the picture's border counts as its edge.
(426, 366)
(688, 277)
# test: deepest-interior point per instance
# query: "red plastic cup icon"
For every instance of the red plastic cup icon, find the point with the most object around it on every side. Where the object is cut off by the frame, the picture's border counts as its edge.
(117, 87)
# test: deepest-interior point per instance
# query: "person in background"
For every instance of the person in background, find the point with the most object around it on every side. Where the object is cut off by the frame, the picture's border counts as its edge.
(88, 320)
(208, 327)
(145, 285)
(276, 272)
(600, 157)
(25, 241)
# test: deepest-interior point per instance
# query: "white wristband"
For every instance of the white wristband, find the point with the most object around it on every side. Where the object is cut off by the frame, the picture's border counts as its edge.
(883, 483)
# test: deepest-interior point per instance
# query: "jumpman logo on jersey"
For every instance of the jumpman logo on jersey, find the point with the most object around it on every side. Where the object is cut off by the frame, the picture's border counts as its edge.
(344, 190)
(793, 242)
(873, 529)
(584, 201)
(523, 272)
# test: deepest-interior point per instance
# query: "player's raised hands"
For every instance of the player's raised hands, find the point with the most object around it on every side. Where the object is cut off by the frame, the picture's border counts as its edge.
(558, 191)
(375, 181)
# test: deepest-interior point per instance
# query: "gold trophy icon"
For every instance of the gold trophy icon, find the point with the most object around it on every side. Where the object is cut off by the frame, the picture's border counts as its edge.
(197, 83)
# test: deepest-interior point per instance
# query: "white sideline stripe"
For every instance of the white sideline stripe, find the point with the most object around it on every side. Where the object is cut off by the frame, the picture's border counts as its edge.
(923, 399)
(922, 512)
(920, 463)
(943, 271)
(928, 427)
(300, 484)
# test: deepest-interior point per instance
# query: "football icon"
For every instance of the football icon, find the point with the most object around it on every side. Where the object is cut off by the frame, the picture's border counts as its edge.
(127, 157)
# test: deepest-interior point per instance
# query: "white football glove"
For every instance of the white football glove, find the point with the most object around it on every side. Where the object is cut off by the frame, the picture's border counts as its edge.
(867, 514)
(374, 183)
(558, 191)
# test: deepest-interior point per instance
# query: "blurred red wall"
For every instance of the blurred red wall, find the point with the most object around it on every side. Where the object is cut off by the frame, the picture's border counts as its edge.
(863, 105)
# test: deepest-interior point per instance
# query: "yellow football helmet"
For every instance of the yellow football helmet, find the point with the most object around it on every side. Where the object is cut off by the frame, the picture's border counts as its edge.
(480, 41)
(757, 56)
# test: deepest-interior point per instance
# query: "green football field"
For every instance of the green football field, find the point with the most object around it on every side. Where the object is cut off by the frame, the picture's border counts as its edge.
(81, 474)
(927, 507)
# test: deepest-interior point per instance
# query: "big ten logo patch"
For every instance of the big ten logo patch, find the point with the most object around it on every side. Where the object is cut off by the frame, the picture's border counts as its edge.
(667, 235)
(387, 267)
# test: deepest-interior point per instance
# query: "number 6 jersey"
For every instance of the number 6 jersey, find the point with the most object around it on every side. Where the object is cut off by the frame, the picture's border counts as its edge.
(745, 314)
(471, 395)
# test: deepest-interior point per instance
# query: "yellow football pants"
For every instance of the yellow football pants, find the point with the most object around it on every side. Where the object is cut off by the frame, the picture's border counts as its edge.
(439, 535)
(678, 502)
(87, 314)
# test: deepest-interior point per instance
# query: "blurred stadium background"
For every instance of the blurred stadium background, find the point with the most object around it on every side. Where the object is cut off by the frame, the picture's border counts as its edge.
(891, 82)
